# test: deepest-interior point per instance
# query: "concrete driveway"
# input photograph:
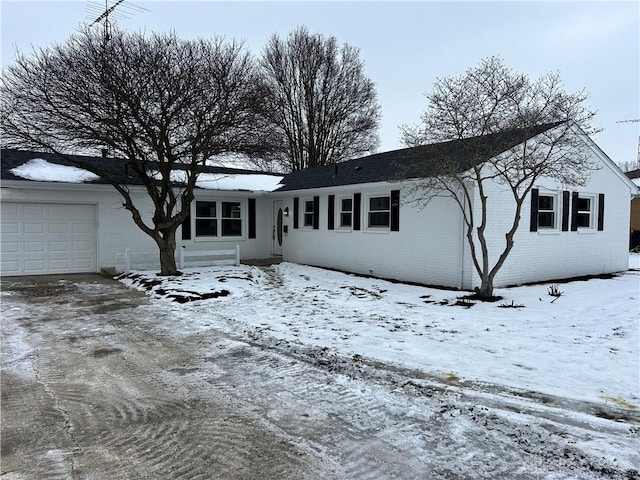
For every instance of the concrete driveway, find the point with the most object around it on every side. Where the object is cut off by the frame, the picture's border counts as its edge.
(86, 393)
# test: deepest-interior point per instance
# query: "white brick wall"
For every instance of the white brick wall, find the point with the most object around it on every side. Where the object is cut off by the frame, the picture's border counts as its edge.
(430, 244)
(427, 249)
(117, 231)
(548, 255)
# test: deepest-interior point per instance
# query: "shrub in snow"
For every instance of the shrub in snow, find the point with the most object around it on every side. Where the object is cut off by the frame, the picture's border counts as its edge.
(554, 291)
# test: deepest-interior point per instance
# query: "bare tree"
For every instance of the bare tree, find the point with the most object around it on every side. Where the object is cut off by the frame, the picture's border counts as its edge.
(628, 165)
(511, 131)
(322, 107)
(160, 103)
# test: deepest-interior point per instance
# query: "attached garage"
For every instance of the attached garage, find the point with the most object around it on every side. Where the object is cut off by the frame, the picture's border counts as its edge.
(39, 238)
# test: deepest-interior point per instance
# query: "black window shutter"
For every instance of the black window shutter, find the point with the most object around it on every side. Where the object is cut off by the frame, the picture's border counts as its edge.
(565, 211)
(252, 218)
(357, 198)
(186, 226)
(574, 211)
(330, 212)
(601, 211)
(533, 223)
(316, 213)
(395, 210)
(296, 207)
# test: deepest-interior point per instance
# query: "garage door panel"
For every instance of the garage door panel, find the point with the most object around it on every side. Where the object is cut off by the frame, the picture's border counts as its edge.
(59, 247)
(47, 238)
(59, 264)
(60, 210)
(82, 264)
(34, 266)
(10, 227)
(11, 247)
(31, 247)
(82, 247)
(10, 267)
(82, 228)
(10, 210)
(34, 210)
(59, 228)
(34, 228)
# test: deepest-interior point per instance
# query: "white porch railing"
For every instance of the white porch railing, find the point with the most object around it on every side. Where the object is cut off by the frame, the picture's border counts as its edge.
(209, 257)
(185, 258)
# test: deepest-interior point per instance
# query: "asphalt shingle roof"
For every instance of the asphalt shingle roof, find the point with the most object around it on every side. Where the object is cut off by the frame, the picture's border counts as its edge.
(12, 158)
(380, 167)
(396, 164)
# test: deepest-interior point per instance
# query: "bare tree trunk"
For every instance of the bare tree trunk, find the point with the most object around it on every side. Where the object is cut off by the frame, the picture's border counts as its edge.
(166, 242)
(486, 287)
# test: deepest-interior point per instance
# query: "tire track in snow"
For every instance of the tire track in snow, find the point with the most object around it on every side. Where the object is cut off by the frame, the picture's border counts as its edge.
(161, 404)
(126, 405)
(344, 422)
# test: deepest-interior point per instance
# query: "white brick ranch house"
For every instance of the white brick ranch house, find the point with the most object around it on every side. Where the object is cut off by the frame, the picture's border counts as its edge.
(352, 217)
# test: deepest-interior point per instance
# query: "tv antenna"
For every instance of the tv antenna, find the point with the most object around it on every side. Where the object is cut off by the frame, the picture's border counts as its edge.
(103, 13)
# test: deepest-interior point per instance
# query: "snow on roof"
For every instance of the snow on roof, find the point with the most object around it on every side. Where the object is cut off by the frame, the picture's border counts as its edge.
(255, 182)
(38, 169)
(42, 171)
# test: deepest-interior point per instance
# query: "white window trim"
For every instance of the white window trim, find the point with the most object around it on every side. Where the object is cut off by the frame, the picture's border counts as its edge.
(376, 229)
(219, 237)
(557, 213)
(339, 212)
(592, 212)
(304, 213)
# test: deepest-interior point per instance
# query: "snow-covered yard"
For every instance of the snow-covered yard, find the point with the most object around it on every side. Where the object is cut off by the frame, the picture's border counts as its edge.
(583, 345)
(363, 378)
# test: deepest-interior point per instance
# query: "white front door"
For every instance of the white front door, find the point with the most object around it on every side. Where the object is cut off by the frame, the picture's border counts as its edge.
(277, 229)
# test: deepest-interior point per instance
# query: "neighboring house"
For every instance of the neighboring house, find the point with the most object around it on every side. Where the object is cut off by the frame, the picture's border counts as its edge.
(355, 217)
(634, 242)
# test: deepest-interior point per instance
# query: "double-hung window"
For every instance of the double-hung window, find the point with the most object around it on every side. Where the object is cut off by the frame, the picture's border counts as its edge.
(215, 218)
(231, 219)
(346, 212)
(584, 210)
(547, 211)
(308, 213)
(378, 215)
(206, 219)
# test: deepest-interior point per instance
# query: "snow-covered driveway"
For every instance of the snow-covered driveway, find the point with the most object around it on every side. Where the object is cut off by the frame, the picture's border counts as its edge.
(295, 372)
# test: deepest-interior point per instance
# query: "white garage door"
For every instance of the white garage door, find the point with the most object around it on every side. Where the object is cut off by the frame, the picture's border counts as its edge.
(39, 238)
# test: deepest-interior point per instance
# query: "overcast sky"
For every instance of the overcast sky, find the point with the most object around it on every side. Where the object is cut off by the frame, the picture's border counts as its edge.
(405, 45)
